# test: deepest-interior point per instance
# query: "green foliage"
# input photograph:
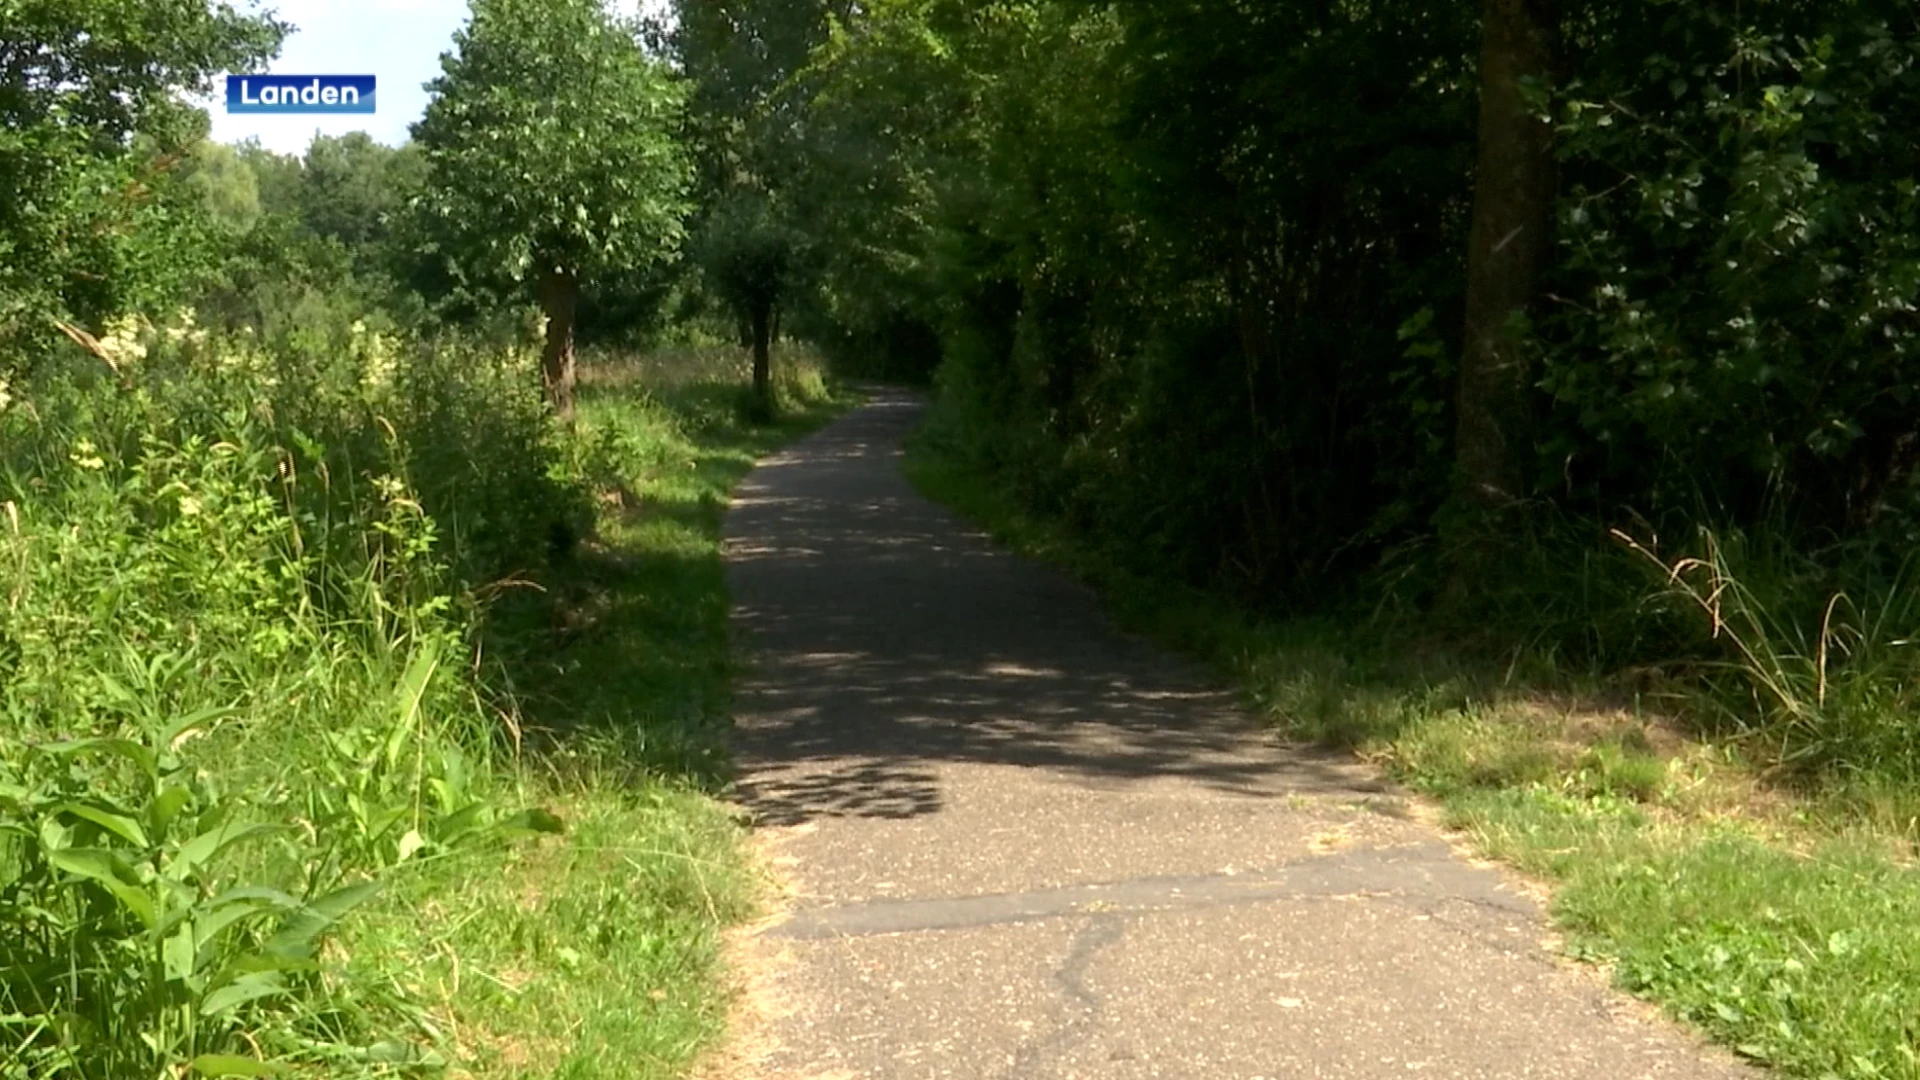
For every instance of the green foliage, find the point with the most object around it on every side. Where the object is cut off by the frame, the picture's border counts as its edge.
(749, 128)
(128, 944)
(217, 560)
(266, 642)
(1167, 251)
(1192, 275)
(355, 189)
(283, 596)
(600, 956)
(318, 240)
(1739, 265)
(748, 251)
(548, 146)
(92, 129)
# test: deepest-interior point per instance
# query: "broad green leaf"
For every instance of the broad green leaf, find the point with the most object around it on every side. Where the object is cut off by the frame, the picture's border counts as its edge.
(126, 748)
(118, 824)
(167, 805)
(178, 952)
(413, 688)
(251, 986)
(55, 835)
(302, 929)
(234, 1065)
(454, 827)
(103, 869)
(208, 846)
(230, 907)
(174, 730)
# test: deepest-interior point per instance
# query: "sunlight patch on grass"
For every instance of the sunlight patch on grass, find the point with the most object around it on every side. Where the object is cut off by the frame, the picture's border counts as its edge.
(596, 955)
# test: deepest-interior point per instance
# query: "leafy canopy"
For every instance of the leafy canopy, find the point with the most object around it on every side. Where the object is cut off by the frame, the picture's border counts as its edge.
(92, 123)
(550, 145)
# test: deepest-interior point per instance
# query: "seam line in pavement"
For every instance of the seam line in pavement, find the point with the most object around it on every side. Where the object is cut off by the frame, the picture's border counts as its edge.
(1364, 872)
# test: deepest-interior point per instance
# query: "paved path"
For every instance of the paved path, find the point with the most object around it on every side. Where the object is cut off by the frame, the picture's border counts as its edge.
(1026, 845)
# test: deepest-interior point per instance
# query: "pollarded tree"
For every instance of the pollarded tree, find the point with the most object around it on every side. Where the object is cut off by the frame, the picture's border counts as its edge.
(551, 158)
(749, 253)
(743, 58)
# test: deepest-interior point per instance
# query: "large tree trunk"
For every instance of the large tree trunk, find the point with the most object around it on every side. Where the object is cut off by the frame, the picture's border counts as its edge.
(763, 359)
(1508, 251)
(559, 293)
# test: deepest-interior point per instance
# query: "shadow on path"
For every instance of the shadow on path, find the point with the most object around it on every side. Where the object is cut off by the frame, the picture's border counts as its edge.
(885, 638)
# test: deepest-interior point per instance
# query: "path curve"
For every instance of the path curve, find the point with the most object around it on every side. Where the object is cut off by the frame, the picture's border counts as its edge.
(1024, 844)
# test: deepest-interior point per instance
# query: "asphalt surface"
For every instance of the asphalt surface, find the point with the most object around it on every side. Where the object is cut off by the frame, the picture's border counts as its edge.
(1022, 843)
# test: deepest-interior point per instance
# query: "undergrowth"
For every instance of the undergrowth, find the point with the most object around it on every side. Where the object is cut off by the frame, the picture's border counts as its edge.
(292, 780)
(1733, 834)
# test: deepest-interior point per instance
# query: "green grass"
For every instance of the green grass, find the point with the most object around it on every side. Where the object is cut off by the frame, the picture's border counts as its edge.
(598, 953)
(1784, 923)
(357, 720)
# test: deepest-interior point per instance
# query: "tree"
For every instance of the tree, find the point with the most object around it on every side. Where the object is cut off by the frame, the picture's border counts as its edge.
(93, 131)
(353, 187)
(227, 185)
(551, 159)
(1508, 250)
(742, 57)
(748, 253)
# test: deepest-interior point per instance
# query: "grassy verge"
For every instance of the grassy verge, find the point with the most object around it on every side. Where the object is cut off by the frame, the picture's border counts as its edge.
(1786, 924)
(597, 953)
(355, 719)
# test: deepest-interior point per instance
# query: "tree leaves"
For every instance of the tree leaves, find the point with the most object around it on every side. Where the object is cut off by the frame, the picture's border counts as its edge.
(91, 121)
(550, 142)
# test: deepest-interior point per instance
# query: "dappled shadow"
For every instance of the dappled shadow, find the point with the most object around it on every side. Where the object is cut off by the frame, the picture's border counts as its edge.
(620, 649)
(885, 640)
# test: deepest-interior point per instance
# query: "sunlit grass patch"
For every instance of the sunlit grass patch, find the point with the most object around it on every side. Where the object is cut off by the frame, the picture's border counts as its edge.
(592, 954)
(597, 954)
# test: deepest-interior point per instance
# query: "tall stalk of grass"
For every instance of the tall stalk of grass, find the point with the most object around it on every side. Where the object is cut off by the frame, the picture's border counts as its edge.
(1826, 688)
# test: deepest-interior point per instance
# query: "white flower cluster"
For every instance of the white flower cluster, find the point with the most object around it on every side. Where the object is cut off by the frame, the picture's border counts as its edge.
(379, 359)
(186, 329)
(121, 344)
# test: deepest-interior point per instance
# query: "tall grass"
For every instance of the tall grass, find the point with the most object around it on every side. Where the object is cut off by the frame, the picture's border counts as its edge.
(305, 645)
(1820, 682)
(236, 607)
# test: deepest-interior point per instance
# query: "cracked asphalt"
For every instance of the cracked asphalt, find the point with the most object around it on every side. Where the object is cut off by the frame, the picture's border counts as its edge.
(1022, 843)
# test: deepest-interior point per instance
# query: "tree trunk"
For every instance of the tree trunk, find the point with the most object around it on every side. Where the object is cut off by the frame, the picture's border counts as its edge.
(1508, 250)
(559, 293)
(762, 360)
